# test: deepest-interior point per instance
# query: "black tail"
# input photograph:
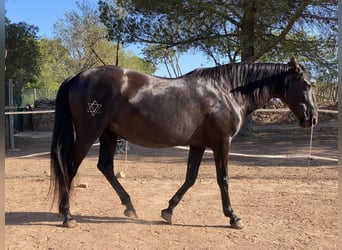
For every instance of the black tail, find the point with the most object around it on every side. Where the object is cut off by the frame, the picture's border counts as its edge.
(62, 142)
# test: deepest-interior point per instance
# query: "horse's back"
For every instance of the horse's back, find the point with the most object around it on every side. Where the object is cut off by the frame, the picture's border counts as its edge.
(146, 110)
(123, 101)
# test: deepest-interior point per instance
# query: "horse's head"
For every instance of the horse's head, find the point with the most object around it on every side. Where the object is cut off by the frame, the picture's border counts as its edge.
(299, 96)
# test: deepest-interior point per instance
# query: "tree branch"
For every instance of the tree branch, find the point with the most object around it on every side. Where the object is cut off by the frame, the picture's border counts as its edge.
(190, 40)
(97, 56)
(282, 35)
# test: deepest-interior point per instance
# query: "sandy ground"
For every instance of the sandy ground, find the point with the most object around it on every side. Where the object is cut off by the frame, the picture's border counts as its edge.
(283, 202)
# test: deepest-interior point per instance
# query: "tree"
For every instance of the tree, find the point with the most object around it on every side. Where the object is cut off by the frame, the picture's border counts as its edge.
(85, 39)
(131, 61)
(80, 34)
(54, 64)
(169, 57)
(22, 61)
(226, 31)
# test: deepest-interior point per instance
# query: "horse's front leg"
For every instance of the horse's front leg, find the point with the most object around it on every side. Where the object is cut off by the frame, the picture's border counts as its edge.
(194, 160)
(221, 163)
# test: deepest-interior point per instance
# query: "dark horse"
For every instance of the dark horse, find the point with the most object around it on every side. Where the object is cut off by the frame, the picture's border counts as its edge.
(203, 109)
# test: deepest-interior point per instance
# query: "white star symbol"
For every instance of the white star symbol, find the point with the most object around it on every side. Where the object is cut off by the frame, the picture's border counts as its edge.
(94, 108)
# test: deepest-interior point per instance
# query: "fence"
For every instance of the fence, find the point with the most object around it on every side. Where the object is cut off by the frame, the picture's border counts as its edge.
(31, 95)
(18, 100)
(12, 113)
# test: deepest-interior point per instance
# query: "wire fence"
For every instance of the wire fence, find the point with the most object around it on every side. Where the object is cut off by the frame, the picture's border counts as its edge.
(30, 96)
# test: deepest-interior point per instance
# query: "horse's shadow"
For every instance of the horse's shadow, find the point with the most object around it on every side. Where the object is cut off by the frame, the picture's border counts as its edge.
(54, 219)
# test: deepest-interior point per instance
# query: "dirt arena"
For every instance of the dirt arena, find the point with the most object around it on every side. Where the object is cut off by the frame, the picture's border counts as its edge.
(283, 203)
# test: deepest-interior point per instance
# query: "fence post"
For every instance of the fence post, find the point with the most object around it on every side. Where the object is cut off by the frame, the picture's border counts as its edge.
(35, 95)
(11, 118)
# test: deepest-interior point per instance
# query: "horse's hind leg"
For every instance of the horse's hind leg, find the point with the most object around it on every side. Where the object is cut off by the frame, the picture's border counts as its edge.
(194, 160)
(79, 151)
(106, 166)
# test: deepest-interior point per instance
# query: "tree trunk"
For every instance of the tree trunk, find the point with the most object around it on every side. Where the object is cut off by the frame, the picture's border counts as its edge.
(117, 53)
(247, 47)
(247, 31)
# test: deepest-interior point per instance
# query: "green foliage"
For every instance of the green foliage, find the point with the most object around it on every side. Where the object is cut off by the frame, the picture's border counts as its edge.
(80, 33)
(131, 61)
(85, 39)
(29, 95)
(54, 64)
(80, 43)
(169, 57)
(22, 62)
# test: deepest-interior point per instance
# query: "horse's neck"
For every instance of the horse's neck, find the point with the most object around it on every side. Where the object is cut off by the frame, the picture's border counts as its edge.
(254, 100)
(256, 92)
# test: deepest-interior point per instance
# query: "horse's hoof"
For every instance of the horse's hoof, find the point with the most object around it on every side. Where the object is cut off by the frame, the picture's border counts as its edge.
(166, 216)
(70, 223)
(237, 225)
(130, 213)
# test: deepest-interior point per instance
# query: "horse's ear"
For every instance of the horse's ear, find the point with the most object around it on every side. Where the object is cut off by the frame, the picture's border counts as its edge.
(294, 65)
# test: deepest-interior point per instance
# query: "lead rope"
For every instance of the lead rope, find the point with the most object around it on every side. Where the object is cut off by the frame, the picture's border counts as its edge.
(309, 154)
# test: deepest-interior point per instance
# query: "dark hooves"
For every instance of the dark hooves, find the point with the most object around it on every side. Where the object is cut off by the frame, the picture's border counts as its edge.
(166, 215)
(130, 213)
(70, 223)
(238, 224)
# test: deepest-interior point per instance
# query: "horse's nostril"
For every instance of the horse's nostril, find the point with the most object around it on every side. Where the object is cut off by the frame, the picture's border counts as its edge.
(314, 121)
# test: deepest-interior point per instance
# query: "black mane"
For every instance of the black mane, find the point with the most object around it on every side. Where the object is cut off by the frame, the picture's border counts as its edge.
(242, 74)
(256, 82)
